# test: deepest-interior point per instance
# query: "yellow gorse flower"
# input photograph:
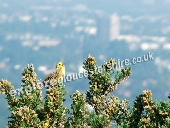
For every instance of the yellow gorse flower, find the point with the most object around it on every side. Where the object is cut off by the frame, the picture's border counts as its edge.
(91, 60)
(47, 123)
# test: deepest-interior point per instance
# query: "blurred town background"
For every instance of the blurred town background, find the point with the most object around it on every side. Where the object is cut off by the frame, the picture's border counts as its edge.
(43, 32)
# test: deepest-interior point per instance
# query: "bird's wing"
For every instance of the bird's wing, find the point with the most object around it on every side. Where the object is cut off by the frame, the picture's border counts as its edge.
(52, 75)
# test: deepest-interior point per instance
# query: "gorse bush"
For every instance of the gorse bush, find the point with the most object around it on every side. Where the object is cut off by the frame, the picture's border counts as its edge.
(30, 109)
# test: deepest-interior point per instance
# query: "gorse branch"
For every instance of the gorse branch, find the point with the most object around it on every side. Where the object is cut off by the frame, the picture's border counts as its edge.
(30, 109)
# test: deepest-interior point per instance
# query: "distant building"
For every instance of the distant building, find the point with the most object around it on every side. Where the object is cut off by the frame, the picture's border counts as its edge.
(114, 27)
(108, 27)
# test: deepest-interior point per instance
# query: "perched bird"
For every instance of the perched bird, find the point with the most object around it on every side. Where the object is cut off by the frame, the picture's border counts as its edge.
(56, 76)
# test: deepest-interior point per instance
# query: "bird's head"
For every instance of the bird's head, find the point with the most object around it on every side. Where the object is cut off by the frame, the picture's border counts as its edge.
(60, 65)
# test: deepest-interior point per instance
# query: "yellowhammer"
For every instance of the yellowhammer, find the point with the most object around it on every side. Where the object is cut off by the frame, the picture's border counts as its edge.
(56, 76)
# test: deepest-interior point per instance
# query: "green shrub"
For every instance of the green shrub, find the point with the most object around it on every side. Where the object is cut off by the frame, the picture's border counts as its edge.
(30, 109)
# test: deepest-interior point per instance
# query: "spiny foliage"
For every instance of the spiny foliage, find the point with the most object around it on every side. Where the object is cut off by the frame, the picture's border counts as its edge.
(30, 109)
